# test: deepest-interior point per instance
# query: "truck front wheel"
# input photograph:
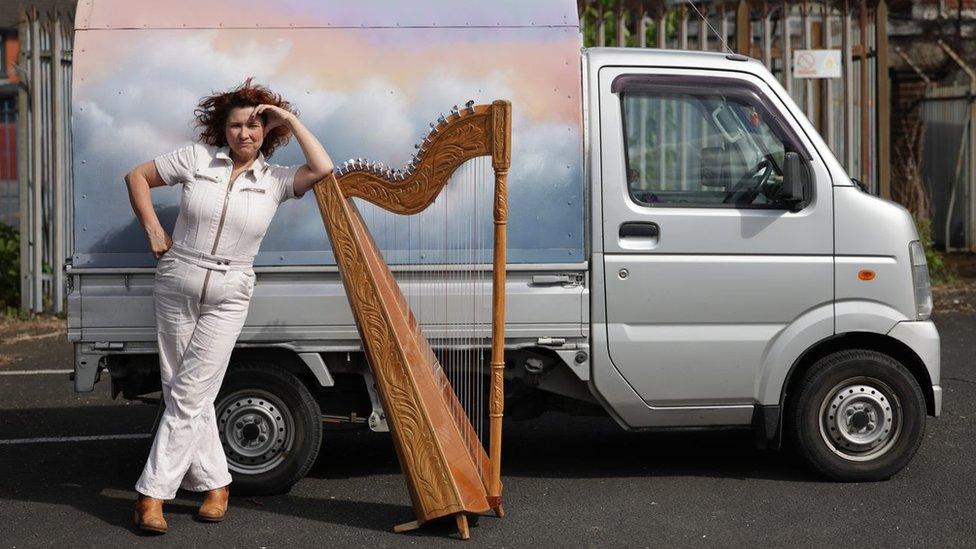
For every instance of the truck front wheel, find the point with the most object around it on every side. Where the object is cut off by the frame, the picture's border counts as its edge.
(270, 427)
(858, 415)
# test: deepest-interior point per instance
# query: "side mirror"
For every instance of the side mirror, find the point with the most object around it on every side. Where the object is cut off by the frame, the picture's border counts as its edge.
(794, 179)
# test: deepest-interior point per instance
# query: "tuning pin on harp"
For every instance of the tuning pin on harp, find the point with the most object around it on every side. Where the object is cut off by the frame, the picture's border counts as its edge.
(433, 129)
(469, 106)
(455, 113)
(441, 120)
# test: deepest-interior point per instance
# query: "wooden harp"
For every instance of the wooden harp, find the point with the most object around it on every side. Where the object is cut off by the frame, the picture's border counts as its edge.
(448, 470)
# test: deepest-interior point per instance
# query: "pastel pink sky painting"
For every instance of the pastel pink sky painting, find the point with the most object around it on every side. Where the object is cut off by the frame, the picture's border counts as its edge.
(364, 91)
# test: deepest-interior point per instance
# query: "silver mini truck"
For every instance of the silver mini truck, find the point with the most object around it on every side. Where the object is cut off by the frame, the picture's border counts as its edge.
(685, 252)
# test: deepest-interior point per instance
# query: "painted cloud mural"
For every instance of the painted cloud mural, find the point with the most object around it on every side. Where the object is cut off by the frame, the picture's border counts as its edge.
(364, 92)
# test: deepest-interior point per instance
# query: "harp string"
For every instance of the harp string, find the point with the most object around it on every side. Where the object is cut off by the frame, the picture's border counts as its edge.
(449, 292)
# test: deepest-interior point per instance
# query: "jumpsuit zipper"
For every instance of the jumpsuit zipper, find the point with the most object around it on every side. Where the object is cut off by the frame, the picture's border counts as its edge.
(220, 227)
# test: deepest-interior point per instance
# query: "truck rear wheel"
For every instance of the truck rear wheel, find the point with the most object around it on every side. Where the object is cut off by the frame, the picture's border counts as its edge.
(858, 415)
(270, 427)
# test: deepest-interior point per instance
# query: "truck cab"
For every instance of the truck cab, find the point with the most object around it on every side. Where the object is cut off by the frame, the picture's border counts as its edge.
(739, 276)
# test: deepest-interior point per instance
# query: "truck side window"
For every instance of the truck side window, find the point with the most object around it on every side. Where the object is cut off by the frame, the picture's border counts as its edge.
(711, 146)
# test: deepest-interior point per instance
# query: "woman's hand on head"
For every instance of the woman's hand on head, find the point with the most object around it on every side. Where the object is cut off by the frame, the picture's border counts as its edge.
(276, 116)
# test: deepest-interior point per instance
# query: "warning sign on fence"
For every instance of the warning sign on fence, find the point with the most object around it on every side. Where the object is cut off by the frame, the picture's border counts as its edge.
(816, 63)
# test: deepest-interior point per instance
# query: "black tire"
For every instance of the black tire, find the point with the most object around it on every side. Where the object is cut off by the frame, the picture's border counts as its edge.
(870, 436)
(255, 401)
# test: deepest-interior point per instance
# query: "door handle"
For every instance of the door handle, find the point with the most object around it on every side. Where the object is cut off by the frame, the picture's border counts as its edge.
(550, 279)
(639, 229)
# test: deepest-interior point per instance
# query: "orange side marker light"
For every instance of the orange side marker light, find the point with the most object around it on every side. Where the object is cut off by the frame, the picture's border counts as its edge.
(866, 274)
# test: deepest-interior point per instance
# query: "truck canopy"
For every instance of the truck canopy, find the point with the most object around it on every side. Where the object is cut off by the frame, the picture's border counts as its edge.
(366, 78)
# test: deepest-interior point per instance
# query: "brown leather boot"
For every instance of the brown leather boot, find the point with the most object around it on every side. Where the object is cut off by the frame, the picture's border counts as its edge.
(214, 505)
(149, 515)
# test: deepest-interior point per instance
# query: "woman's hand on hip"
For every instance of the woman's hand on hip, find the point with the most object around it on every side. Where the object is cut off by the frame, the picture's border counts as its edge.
(159, 242)
(276, 116)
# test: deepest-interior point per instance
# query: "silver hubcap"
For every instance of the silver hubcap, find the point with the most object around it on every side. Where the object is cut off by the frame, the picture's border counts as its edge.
(860, 419)
(256, 431)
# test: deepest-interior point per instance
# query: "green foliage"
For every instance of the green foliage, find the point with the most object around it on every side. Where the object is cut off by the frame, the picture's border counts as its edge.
(9, 266)
(939, 271)
(16, 313)
(589, 17)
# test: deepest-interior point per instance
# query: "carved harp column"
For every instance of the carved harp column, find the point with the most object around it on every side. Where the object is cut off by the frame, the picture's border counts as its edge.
(448, 470)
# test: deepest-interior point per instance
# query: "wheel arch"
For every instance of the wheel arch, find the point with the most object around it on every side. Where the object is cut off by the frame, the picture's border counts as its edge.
(277, 357)
(769, 419)
(871, 341)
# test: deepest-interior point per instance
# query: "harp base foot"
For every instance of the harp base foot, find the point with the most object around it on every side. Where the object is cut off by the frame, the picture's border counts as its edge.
(462, 525)
(406, 527)
(496, 505)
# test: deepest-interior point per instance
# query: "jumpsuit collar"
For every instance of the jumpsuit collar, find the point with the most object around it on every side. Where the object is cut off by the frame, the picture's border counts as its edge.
(257, 167)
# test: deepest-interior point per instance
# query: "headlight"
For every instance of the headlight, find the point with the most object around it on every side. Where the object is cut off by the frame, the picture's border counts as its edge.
(920, 279)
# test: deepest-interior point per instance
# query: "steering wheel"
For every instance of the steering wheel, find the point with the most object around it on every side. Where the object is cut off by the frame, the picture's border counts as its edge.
(745, 190)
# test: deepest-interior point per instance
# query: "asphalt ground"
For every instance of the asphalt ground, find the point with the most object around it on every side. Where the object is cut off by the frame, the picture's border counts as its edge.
(568, 481)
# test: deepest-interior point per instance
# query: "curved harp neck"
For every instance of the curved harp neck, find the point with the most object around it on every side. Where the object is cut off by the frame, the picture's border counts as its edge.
(469, 132)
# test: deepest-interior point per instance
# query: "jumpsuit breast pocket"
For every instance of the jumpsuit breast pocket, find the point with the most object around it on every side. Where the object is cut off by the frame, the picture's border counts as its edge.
(200, 200)
(261, 208)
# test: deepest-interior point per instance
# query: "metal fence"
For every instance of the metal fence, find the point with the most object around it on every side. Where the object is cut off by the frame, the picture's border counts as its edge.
(842, 109)
(947, 165)
(44, 157)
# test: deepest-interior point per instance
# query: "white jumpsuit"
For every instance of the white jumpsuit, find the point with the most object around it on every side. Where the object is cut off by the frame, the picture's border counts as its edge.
(203, 286)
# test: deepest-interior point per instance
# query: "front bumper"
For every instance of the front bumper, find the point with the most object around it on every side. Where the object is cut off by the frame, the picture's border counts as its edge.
(923, 338)
(937, 399)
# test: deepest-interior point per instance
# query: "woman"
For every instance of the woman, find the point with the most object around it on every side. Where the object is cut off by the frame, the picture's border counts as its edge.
(204, 278)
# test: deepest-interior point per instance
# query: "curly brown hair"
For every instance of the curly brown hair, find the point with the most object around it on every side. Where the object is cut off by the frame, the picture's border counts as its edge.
(212, 112)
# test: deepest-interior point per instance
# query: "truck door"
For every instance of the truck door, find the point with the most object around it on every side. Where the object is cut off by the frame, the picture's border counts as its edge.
(706, 261)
